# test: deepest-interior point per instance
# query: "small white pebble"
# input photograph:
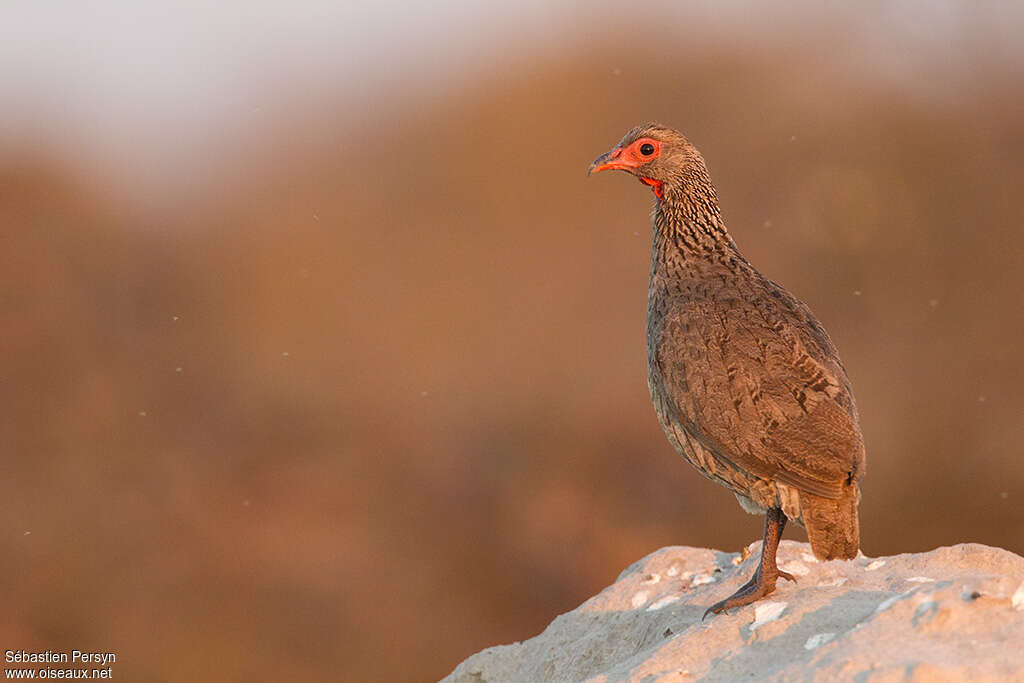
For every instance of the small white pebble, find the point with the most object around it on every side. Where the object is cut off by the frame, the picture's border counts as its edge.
(175, 318)
(663, 602)
(178, 369)
(798, 568)
(672, 571)
(921, 579)
(639, 599)
(834, 582)
(701, 579)
(856, 292)
(934, 303)
(29, 532)
(875, 565)
(285, 353)
(1018, 598)
(767, 611)
(142, 413)
(817, 640)
(807, 557)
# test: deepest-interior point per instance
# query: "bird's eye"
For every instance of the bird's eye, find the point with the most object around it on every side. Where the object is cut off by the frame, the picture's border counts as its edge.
(647, 149)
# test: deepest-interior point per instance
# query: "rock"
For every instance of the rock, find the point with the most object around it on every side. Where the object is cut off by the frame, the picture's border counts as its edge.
(952, 614)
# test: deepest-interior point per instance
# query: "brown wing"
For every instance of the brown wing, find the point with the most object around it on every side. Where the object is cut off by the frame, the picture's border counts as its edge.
(756, 380)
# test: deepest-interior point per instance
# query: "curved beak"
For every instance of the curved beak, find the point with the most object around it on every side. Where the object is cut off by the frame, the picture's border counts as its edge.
(609, 162)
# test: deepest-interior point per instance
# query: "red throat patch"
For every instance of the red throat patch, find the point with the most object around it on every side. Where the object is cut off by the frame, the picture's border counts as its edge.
(655, 185)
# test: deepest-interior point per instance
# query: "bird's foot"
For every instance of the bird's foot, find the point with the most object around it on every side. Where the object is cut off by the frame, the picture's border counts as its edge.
(760, 585)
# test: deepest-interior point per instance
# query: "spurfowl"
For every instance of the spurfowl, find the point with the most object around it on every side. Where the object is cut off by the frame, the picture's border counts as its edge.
(745, 381)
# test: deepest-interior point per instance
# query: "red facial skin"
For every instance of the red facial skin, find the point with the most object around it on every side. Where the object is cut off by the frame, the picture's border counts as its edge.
(631, 159)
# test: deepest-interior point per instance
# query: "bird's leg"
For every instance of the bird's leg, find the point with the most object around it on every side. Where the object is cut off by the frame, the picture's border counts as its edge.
(763, 581)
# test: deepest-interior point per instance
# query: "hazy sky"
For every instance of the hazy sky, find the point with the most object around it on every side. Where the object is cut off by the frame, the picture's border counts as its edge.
(137, 81)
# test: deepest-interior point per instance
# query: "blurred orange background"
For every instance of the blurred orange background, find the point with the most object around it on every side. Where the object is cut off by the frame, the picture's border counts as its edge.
(324, 360)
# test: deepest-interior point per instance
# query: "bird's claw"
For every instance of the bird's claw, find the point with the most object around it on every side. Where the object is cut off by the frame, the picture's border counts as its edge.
(752, 591)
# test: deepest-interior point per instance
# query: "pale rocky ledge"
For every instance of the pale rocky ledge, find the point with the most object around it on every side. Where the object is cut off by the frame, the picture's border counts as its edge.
(952, 614)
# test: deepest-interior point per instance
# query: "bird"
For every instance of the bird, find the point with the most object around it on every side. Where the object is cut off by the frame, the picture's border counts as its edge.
(746, 383)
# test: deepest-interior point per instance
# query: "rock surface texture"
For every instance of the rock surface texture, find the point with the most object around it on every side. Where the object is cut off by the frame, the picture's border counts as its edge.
(952, 614)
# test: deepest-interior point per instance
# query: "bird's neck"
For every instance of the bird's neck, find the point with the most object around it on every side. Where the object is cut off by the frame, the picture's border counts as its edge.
(688, 223)
(688, 213)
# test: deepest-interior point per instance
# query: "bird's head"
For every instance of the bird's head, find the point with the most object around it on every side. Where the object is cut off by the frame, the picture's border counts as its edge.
(657, 155)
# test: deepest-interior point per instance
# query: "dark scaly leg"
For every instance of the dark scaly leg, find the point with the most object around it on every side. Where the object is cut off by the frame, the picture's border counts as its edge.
(763, 581)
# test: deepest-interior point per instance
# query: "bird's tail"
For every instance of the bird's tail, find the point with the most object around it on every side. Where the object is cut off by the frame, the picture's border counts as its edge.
(832, 524)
